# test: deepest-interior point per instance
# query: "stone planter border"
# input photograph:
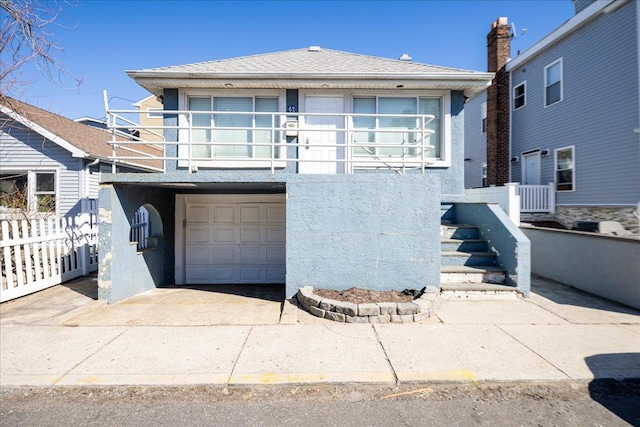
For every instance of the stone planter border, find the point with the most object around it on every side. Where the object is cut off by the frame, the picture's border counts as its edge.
(382, 312)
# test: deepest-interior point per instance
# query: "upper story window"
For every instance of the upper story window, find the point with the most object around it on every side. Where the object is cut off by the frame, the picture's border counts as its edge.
(235, 134)
(519, 96)
(389, 130)
(565, 169)
(553, 83)
(483, 115)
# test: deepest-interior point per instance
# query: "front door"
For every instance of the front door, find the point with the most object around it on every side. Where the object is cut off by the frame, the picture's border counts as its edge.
(321, 139)
(531, 166)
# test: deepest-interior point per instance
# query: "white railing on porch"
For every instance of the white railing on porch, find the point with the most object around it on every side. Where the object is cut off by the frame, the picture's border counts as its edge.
(537, 198)
(407, 146)
(40, 253)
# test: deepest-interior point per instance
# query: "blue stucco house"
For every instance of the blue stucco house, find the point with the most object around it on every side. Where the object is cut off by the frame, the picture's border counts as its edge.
(564, 114)
(302, 167)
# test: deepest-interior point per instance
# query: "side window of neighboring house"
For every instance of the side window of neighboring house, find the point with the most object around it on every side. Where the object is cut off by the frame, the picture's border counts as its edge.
(565, 169)
(483, 115)
(28, 191)
(553, 83)
(519, 96)
(484, 175)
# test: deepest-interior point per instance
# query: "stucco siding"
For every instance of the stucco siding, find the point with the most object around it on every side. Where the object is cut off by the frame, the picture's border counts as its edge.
(23, 150)
(597, 115)
(475, 142)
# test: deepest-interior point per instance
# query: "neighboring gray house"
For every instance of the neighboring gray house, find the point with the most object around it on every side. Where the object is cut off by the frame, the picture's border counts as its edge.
(304, 167)
(53, 161)
(572, 109)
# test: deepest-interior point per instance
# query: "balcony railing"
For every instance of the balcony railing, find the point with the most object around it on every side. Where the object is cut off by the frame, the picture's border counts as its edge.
(273, 140)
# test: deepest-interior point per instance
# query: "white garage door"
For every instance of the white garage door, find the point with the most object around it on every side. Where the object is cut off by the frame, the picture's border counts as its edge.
(234, 240)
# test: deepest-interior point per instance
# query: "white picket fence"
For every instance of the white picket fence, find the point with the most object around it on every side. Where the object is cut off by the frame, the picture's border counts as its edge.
(38, 254)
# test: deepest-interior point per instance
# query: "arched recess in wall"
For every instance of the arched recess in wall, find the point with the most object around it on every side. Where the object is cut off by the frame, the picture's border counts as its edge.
(146, 227)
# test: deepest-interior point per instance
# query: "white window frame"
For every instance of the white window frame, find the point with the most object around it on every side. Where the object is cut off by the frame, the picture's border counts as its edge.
(32, 200)
(546, 85)
(483, 117)
(445, 119)
(573, 168)
(231, 163)
(524, 95)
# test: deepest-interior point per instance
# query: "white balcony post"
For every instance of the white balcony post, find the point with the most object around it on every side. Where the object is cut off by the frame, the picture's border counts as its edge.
(513, 202)
(552, 197)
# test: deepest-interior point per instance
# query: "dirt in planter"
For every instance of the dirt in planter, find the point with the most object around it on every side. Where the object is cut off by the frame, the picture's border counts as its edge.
(363, 296)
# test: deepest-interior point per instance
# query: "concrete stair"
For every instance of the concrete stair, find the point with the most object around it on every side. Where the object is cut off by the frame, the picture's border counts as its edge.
(468, 266)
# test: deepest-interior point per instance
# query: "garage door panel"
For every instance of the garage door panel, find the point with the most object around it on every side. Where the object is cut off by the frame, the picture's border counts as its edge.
(197, 274)
(252, 273)
(223, 274)
(250, 214)
(223, 254)
(197, 235)
(224, 235)
(275, 214)
(252, 254)
(198, 213)
(198, 254)
(250, 235)
(275, 274)
(276, 235)
(275, 254)
(224, 214)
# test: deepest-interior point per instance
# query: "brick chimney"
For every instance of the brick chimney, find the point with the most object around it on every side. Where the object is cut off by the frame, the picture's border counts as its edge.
(498, 51)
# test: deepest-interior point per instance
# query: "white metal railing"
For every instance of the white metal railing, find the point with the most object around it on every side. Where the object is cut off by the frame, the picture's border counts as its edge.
(537, 198)
(38, 254)
(378, 146)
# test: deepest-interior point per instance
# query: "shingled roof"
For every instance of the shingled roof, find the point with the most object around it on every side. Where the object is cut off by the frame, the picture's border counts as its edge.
(81, 140)
(310, 68)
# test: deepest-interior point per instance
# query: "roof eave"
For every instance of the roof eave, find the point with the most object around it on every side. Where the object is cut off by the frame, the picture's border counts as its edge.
(75, 151)
(469, 82)
(564, 30)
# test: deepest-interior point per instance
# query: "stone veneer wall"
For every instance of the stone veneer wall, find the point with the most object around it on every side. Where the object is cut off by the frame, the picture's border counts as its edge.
(623, 214)
(566, 215)
(382, 312)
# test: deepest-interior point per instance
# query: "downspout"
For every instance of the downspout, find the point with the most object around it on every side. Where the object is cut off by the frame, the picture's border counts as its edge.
(86, 180)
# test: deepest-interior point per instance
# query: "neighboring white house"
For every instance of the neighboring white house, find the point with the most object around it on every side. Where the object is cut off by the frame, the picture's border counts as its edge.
(52, 162)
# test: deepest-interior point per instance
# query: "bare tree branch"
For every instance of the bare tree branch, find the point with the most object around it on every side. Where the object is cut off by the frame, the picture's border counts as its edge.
(27, 37)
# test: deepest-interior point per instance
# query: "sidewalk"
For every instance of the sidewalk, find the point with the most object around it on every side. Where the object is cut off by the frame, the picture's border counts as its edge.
(63, 336)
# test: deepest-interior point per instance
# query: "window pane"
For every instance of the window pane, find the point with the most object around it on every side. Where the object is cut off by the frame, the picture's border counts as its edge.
(397, 106)
(201, 135)
(364, 106)
(45, 182)
(267, 105)
(432, 106)
(242, 137)
(553, 74)
(13, 190)
(553, 93)
(46, 202)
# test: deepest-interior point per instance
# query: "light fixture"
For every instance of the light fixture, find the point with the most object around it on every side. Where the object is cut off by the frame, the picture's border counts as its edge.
(514, 160)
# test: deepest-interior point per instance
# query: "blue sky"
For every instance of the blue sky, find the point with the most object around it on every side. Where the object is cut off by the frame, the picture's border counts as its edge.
(103, 38)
